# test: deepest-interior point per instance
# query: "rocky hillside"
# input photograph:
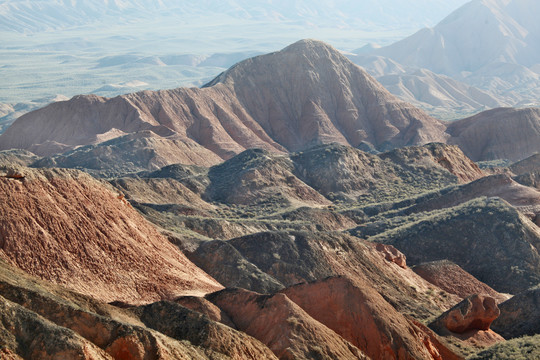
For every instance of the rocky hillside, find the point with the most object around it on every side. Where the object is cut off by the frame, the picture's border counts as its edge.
(322, 253)
(480, 136)
(467, 234)
(304, 95)
(277, 102)
(68, 228)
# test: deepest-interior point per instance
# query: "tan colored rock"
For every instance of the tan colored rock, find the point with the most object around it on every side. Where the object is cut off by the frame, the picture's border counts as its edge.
(392, 254)
(66, 227)
(476, 312)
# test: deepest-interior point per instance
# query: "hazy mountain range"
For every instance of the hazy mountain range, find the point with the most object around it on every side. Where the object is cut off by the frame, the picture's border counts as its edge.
(440, 68)
(31, 16)
(490, 45)
(109, 48)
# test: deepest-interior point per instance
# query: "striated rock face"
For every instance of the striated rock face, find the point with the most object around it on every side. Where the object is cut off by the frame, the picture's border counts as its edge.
(476, 312)
(360, 315)
(520, 315)
(45, 321)
(452, 278)
(222, 261)
(38, 338)
(283, 326)
(181, 323)
(362, 112)
(66, 227)
(480, 136)
(306, 94)
(205, 307)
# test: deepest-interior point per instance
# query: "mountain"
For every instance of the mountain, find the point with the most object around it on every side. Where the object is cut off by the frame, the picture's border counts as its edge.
(481, 136)
(489, 44)
(478, 34)
(68, 228)
(466, 235)
(294, 275)
(439, 95)
(291, 100)
(304, 95)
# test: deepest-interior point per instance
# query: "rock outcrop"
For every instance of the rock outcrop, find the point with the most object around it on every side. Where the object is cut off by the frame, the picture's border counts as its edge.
(68, 228)
(360, 315)
(476, 312)
(392, 254)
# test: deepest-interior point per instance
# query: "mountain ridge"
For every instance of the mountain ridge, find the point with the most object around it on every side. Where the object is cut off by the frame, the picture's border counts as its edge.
(279, 102)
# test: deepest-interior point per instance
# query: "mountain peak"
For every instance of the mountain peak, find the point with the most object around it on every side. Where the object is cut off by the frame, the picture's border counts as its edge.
(290, 100)
(309, 46)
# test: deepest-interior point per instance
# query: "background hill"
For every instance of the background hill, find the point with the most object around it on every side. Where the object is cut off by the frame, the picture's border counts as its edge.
(109, 48)
(304, 95)
(491, 45)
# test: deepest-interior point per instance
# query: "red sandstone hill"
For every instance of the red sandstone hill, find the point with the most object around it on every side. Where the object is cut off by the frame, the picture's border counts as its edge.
(503, 133)
(306, 94)
(68, 228)
(290, 100)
